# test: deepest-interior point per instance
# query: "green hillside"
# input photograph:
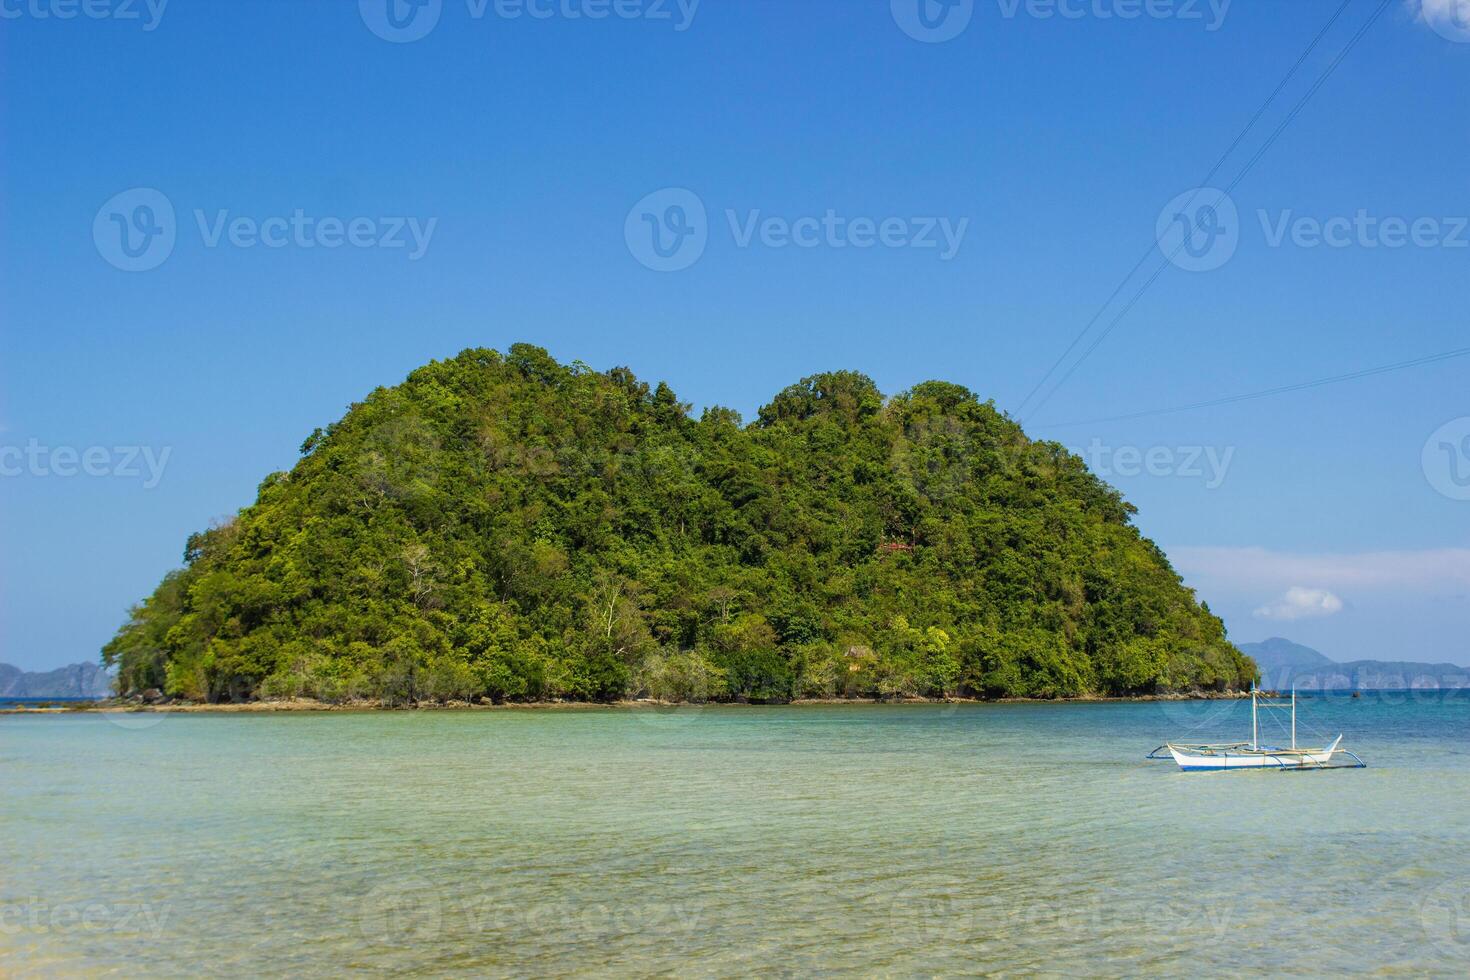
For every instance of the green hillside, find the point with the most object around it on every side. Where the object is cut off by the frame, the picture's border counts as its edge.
(513, 528)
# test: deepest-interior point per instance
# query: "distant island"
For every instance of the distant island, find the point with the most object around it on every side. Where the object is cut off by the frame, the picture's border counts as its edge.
(1285, 664)
(73, 681)
(509, 528)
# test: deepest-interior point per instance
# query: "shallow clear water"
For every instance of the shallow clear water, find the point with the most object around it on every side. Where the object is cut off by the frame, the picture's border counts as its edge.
(872, 839)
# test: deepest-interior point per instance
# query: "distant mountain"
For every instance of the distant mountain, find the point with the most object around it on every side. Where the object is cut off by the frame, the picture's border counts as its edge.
(1285, 664)
(1278, 653)
(73, 681)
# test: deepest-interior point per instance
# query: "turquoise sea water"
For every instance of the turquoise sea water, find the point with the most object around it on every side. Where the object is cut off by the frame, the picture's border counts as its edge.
(892, 840)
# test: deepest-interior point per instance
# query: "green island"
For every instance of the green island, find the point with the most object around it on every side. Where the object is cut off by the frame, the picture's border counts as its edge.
(508, 528)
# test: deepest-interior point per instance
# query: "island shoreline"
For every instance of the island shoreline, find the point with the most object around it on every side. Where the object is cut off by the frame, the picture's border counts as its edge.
(307, 705)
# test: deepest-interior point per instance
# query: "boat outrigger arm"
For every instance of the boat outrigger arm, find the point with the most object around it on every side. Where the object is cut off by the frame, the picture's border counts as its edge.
(1254, 755)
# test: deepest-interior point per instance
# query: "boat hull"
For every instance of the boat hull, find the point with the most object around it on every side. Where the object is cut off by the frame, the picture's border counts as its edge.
(1247, 759)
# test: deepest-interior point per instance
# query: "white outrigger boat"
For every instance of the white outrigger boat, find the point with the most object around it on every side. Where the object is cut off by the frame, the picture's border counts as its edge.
(1254, 755)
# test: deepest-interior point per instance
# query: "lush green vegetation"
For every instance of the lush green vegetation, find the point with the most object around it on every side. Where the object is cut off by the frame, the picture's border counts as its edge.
(513, 528)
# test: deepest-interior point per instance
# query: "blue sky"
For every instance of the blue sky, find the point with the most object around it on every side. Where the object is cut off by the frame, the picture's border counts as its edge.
(856, 194)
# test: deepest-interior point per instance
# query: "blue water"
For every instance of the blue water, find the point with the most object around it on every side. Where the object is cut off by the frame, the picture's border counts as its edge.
(892, 840)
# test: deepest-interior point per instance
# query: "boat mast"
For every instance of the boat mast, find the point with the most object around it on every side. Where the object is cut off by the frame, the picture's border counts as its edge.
(1293, 716)
(1255, 726)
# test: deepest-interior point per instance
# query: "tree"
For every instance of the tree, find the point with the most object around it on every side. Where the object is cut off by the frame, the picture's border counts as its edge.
(512, 528)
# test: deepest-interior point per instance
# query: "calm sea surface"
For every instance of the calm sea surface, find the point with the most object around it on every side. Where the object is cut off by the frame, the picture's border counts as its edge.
(870, 839)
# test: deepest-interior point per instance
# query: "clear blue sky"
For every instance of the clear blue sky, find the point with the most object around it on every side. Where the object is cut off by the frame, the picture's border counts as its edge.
(529, 141)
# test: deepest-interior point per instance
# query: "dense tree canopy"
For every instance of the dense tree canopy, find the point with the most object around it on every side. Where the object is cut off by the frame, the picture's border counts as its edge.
(513, 528)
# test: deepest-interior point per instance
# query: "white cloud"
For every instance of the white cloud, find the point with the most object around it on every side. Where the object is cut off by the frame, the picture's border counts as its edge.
(1433, 572)
(1300, 603)
(1405, 604)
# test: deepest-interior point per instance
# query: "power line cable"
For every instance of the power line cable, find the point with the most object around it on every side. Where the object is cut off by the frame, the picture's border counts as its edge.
(1268, 392)
(1159, 270)
(1234, 144)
